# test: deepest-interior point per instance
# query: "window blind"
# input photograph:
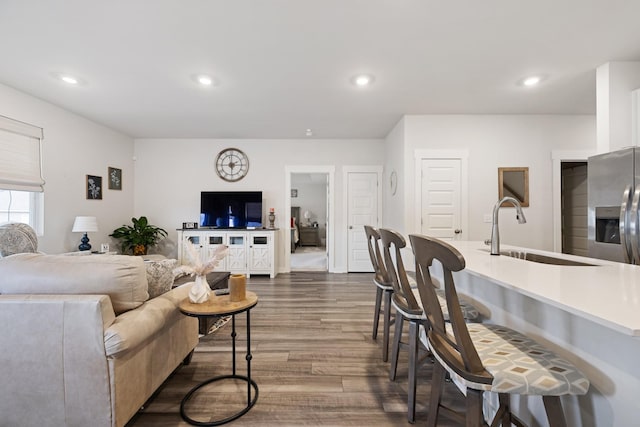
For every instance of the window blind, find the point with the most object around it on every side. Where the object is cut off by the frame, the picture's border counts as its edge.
(20, 156)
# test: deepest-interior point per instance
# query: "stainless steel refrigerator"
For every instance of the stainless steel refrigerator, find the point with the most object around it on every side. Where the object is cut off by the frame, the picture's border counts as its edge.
(613, 197)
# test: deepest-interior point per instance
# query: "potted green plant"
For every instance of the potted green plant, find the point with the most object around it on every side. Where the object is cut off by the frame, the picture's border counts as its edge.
(138, 238)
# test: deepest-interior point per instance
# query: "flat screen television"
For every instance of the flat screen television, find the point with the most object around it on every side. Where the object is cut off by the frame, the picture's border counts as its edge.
(231, 209)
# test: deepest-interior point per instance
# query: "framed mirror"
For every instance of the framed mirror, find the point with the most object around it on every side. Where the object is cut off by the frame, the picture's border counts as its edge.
(514, 182)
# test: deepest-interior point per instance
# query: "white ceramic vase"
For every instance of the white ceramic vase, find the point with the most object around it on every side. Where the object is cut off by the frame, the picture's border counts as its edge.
(199, 291)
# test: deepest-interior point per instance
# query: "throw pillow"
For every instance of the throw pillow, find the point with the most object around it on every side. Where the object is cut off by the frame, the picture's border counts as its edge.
(160, 276)
(17, 238)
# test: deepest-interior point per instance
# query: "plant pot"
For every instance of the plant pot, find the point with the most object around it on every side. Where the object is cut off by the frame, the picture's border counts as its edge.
(139, 250)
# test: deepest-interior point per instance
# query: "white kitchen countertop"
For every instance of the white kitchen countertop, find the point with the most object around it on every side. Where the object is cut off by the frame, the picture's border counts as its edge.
(608, 293)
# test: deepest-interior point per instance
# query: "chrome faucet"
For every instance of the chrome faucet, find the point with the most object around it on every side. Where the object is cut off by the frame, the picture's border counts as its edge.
(495, 234)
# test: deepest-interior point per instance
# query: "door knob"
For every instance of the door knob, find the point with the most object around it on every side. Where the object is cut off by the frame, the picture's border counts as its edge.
(457, 231)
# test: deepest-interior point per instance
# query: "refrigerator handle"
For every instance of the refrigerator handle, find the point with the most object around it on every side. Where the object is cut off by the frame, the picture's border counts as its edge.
(633, 226)
(623, 224)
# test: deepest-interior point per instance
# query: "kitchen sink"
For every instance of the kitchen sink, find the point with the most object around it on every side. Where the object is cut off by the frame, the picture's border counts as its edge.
(543, 259)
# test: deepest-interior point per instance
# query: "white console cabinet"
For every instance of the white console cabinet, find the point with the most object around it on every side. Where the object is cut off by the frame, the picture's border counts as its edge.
(250, 251)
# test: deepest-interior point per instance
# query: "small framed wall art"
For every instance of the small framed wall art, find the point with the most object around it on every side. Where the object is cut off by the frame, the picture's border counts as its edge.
(94, 187)
(115, 179)
(294, 192)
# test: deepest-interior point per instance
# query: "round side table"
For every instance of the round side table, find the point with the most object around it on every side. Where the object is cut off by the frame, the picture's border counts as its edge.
(222, 306)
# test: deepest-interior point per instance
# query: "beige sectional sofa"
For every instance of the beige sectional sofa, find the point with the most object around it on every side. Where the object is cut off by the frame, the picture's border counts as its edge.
(80, 342)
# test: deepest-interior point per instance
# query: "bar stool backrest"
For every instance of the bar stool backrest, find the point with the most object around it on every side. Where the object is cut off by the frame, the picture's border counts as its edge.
(392, 243)
(373, 244)
(457, 350)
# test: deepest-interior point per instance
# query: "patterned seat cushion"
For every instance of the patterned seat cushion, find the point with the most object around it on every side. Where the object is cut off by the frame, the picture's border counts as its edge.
(520, 365)
(469, 311)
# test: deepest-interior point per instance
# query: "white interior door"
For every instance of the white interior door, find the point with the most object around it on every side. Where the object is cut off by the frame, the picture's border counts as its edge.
(362, 209)
(441, 198)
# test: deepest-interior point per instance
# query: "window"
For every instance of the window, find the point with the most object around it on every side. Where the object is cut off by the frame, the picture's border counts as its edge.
(22, 206)
(21, 183)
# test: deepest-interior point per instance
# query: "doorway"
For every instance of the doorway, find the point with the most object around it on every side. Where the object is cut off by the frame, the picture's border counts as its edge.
(309, 221)
(309, 198)
(559, 158)
(573, 192)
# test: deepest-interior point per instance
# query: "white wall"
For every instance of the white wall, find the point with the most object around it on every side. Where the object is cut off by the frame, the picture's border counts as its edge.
(74, 147)
(499, 141)
(393, 214)
(615, 82)
(171, 173)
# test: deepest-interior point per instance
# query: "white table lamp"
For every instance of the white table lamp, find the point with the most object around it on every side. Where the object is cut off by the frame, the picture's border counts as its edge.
(307, 216)
(85, 224)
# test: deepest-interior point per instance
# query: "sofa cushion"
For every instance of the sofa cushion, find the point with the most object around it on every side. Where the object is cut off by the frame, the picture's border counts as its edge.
(123, 278)
(160, 276)
(132, 329)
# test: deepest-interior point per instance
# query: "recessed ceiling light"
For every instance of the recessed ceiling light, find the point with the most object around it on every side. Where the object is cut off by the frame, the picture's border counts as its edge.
(531, 81)
(205, 80)
(69, 79)
(362, 80)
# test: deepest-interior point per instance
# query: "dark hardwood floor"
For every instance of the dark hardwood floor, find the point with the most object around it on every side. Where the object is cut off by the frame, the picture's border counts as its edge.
(313, 359)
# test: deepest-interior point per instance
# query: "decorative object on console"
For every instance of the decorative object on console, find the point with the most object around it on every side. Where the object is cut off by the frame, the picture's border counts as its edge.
(85, 224)
(189, 225)
(115, 178)
(199, 291)
(232, 164)
(94, 187)
(272, 218)
(237, 287)
(140, 237)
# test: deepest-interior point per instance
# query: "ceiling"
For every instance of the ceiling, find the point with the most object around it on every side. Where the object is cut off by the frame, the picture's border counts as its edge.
(284, 66)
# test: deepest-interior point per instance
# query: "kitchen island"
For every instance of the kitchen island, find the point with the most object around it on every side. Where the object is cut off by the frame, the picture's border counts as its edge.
(589, 314)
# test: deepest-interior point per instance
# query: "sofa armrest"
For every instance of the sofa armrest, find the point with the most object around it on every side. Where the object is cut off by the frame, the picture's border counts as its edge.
(135, 327)
(53, 365)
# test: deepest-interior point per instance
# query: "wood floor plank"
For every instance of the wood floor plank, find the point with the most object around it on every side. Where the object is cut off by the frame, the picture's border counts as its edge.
(313, 359)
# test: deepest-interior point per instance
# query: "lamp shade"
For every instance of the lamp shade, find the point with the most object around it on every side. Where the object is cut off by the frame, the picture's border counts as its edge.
(85, 224)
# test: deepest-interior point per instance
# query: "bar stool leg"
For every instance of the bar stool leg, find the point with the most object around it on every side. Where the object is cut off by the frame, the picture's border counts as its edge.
(474, 408)
(413, 365)
(386, 325)
(395, 350)
(555, 414)
(376, 313)
(437, 385)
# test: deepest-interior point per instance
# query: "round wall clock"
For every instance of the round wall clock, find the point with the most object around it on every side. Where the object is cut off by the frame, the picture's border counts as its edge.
(232, 164)
(393, 182)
